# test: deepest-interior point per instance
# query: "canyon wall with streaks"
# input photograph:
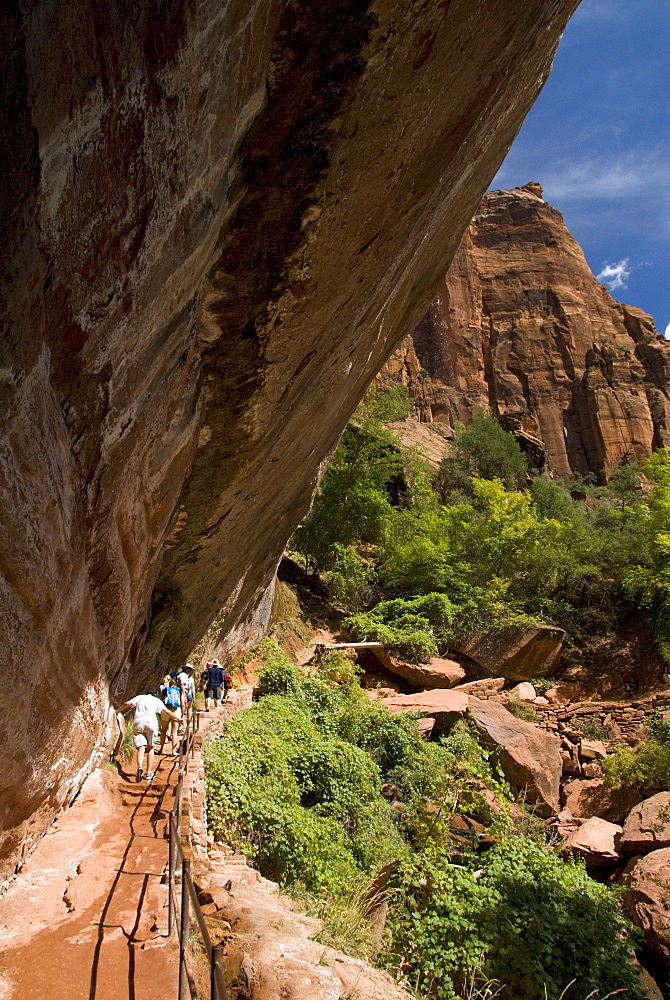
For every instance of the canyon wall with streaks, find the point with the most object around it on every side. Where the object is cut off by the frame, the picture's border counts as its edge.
(521, 328)
(218, 219)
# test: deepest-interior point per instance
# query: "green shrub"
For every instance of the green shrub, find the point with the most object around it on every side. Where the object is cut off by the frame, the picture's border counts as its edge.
(526, 919)
(522, 710)
(482, 449)
(411, 629)
(645, 767)
(592, 728)
(278, 675)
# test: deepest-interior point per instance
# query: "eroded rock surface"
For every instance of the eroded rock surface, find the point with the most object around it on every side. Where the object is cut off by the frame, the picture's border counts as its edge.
(587, 797)
(521, 328)
(437, 673)
(647, 826)
(518, 652)
(218, 219)
(444, 706)
(530, 759)
(595, 841)
(647, 900)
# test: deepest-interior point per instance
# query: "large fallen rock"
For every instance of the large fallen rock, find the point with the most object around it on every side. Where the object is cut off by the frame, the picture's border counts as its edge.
(595, 841)
(518, 652)
(530, 758)
(445, 706)
(647, 900)
(437, 673)
(589, 797)
(647, 826)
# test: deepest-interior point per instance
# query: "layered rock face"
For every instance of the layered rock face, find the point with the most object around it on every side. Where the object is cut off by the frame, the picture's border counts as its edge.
(521, 328)
(218, 219)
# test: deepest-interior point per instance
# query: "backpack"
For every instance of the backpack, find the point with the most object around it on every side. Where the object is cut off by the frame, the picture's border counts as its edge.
(227, 681)
(172, 697)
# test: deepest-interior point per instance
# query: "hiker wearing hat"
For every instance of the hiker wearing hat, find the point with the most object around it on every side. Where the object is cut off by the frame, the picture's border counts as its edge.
(188, 690)
(213, 682)
(146, 709)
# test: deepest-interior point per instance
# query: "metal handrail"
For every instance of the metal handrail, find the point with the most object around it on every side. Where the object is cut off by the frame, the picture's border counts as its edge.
(188, 891)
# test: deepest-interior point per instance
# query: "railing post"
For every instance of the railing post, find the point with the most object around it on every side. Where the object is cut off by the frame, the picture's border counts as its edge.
(217, 952)
(171, 866)
(183, 929)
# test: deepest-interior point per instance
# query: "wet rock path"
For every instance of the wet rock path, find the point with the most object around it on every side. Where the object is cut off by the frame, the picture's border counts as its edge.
(86, 919)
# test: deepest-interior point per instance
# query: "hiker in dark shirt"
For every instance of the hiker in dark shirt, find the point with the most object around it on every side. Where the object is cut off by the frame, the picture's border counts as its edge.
(213, 681)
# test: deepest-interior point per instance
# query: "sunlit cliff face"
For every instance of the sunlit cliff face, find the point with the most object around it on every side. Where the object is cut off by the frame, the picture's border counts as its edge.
(520, 327)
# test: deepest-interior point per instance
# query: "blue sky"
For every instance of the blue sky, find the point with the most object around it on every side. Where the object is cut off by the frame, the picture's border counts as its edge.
(598, 141)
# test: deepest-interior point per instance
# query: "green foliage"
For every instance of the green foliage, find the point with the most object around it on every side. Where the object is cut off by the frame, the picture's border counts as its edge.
(410, 629)
(295, 780)
(592, 727)
(278, 674)
(353, 503)
(522, 711)
(645, 767)
(542, 684)
(525, 919)
(347, 577)
(482, 450)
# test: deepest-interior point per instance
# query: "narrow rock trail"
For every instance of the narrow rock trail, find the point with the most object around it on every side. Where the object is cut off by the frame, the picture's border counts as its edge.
(87, 917)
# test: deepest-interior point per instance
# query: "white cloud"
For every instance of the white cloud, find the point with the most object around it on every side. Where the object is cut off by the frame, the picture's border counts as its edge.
(613, 177)
(666, 333)
(615, 275)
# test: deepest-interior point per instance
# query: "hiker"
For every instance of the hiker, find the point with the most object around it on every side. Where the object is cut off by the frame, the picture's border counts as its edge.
(146, 709)
(188, 687)
(171, 695)
(227, 684)
(213, 679)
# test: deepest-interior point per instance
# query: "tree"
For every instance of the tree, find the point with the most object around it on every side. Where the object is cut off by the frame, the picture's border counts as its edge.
(354, 500)
(482, 450)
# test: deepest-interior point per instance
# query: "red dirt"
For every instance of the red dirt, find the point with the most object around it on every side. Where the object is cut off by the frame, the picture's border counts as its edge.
(86, 919)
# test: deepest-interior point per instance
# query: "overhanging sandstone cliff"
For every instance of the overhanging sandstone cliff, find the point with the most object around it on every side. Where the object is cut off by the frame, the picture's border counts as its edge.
(218, 218)
(521, 328)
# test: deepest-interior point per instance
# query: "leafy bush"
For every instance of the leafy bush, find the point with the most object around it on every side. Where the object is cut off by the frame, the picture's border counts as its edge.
(278, 674)
(522, 710)
(526, 919)
(645, 767)
(482, 450)
(592, 728)
(409, 628)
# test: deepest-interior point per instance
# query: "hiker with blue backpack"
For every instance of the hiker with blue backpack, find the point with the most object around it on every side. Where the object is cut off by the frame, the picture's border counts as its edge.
(171, 693)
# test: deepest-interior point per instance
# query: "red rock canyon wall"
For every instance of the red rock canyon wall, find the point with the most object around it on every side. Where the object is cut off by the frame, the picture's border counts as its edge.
(521, 328)
(218, 218)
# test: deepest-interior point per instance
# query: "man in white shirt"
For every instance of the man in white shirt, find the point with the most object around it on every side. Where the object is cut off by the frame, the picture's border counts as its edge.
(188, 690)
(146, 709)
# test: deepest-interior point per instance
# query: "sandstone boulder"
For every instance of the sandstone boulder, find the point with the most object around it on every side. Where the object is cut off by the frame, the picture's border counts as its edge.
(530, 758)
(437, 673)
(647, 900)
(586, 798)
(592, 750)
(516, 652)
(647, 826)
(595, 841)
(571, 768)
(426, 726)
(443, 705)
(523, 692)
